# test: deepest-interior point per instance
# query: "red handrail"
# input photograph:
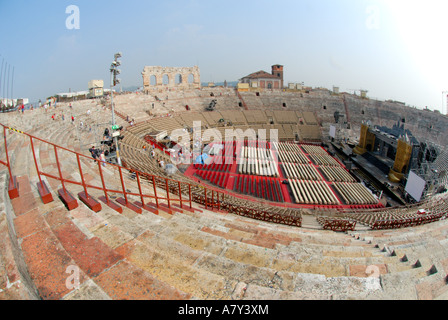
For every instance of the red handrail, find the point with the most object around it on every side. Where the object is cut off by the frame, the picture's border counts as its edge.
(13, 191)
(65, 181)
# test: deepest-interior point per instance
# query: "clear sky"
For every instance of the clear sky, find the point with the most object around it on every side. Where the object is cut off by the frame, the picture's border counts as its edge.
(395, 49)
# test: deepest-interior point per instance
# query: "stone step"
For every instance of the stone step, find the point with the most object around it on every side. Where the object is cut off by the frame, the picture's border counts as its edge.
(53, 243)
(14, 282)
(45, 257)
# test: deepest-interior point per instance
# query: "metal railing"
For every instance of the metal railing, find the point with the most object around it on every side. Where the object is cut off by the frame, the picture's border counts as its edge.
(184, 193)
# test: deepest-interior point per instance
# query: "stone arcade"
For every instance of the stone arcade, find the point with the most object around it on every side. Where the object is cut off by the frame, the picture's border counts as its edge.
(157, 79)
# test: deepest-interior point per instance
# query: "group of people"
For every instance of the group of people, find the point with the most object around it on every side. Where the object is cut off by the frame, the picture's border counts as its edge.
(61, 116)
(21, 108)
(130, 121)
(48, 104)
(152, 155)
(98, 154)
(102, 153)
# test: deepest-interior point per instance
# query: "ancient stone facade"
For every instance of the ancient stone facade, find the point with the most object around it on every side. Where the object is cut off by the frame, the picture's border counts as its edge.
(165, 78)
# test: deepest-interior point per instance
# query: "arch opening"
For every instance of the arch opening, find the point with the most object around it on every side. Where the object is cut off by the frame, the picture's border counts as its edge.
(153, 80)
(165, 79)
(178, 79)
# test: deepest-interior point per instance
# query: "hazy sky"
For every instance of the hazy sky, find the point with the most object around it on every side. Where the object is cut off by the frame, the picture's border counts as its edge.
(395, 49)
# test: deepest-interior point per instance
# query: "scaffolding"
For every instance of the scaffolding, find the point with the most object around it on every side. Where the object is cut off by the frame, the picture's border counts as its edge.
(433, 168)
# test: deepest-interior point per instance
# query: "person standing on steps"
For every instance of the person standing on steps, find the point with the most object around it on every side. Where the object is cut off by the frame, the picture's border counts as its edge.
(103, 158)
(94, 152)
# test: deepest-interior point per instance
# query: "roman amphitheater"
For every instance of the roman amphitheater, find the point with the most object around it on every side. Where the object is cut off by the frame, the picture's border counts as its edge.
(289, 219)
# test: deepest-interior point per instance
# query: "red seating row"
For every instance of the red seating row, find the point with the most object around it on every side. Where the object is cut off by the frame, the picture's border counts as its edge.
(261, 187)
(217, 178)
(222, 167)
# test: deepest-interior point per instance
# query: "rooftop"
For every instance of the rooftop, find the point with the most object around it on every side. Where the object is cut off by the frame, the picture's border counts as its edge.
(261, 74)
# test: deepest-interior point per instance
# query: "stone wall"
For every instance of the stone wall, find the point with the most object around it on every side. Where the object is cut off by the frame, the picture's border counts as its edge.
(424, 124)
(159, 79)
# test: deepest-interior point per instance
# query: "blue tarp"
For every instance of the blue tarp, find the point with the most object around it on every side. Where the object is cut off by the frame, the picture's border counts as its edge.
(200, 159)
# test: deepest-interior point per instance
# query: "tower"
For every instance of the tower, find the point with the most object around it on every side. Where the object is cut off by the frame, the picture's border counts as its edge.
(277, 70)
(402, 159)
